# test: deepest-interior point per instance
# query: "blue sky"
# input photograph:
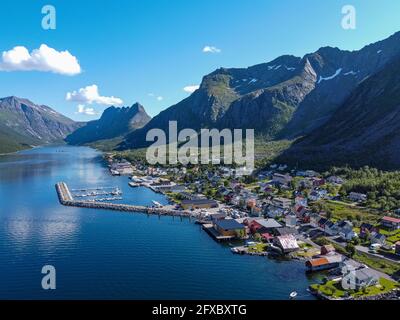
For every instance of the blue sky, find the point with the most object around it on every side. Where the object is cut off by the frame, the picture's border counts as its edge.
(142, 50)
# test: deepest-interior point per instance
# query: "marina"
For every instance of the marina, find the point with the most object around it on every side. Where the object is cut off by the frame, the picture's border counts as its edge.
(67, 199)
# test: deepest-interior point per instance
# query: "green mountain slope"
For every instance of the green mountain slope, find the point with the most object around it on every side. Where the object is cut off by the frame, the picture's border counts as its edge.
(24, 124)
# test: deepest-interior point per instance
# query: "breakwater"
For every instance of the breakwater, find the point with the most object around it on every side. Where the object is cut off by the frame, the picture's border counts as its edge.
(65, 197)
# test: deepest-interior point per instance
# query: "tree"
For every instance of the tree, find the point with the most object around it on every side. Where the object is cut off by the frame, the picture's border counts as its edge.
(257, 237)
(351, 249)
(241, 234)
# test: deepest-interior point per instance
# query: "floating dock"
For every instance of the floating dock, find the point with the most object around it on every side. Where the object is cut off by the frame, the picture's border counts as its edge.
(65, 197)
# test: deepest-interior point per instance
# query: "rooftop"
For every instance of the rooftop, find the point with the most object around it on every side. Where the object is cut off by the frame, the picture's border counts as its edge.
(229, 224)
(391, 219)
(268, 223)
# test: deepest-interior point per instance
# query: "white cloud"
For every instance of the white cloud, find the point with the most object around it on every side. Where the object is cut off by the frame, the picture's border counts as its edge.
(82, 109)
(159, 98)
(90, 95)
(211, 49)
(44, 59)
(191, 89)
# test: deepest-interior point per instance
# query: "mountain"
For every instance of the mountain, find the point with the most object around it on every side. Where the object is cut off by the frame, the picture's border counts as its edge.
(24, 124)
(286, 98)
(114, 123)
(365, 130)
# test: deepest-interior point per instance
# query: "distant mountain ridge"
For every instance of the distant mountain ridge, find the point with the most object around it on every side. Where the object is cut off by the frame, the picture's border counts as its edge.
(24, 124)
(114, 122)
(286, 98)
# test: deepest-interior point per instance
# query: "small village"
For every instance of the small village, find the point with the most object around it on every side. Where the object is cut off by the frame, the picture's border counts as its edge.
(284, 213)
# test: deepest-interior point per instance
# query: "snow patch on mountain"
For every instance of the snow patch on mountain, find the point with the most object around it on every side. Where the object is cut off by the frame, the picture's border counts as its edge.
(338, 71)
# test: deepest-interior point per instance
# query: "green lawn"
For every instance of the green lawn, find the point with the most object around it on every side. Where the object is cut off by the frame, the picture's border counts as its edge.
(331, 289)
(258, 248)
(334, 289)
(391, 236)
(384, 286)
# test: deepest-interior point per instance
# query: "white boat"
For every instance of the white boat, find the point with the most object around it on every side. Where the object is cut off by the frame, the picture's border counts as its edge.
(134, 184)
(157, 204)
(293, 295)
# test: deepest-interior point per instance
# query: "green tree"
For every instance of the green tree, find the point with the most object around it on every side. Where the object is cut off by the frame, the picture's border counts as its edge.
(257, 237)
(351, 249)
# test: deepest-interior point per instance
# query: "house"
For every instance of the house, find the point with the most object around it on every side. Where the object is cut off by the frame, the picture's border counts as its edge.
(366, 229)
(300, 173)
(317, 194)
(322, 222)
(359, 279)
(228, 227)
(300, 201)
(287, 243)
(199, 204)
(282, 202)
(305, 184)
(377, 238)
(283, 179)
(314, 219)
(324, 263)
(390, 223)
(287, 231)
(345, 230)
(335, 180)
(329, 228)
(274, 211)
(123, 167)
(290, 221)
(327, 249)
(228, 195)
(317, 182)
(302, 214)
(311, 173)
(217, 216)
(358, 197)
(264, 226)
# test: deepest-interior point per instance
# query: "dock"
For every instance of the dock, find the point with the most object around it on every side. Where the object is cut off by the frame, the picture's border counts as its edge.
(65, 197)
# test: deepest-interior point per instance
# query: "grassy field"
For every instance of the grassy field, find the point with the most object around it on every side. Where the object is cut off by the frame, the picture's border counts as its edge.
(343, 211)
(385, 266)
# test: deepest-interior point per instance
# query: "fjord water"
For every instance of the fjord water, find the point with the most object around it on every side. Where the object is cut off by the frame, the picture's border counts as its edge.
(111, 255)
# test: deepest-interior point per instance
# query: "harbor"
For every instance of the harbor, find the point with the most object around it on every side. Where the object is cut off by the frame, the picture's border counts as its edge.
(66, 198)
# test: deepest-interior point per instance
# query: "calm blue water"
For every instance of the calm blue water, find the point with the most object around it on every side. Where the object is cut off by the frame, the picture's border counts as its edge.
(109, 255)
